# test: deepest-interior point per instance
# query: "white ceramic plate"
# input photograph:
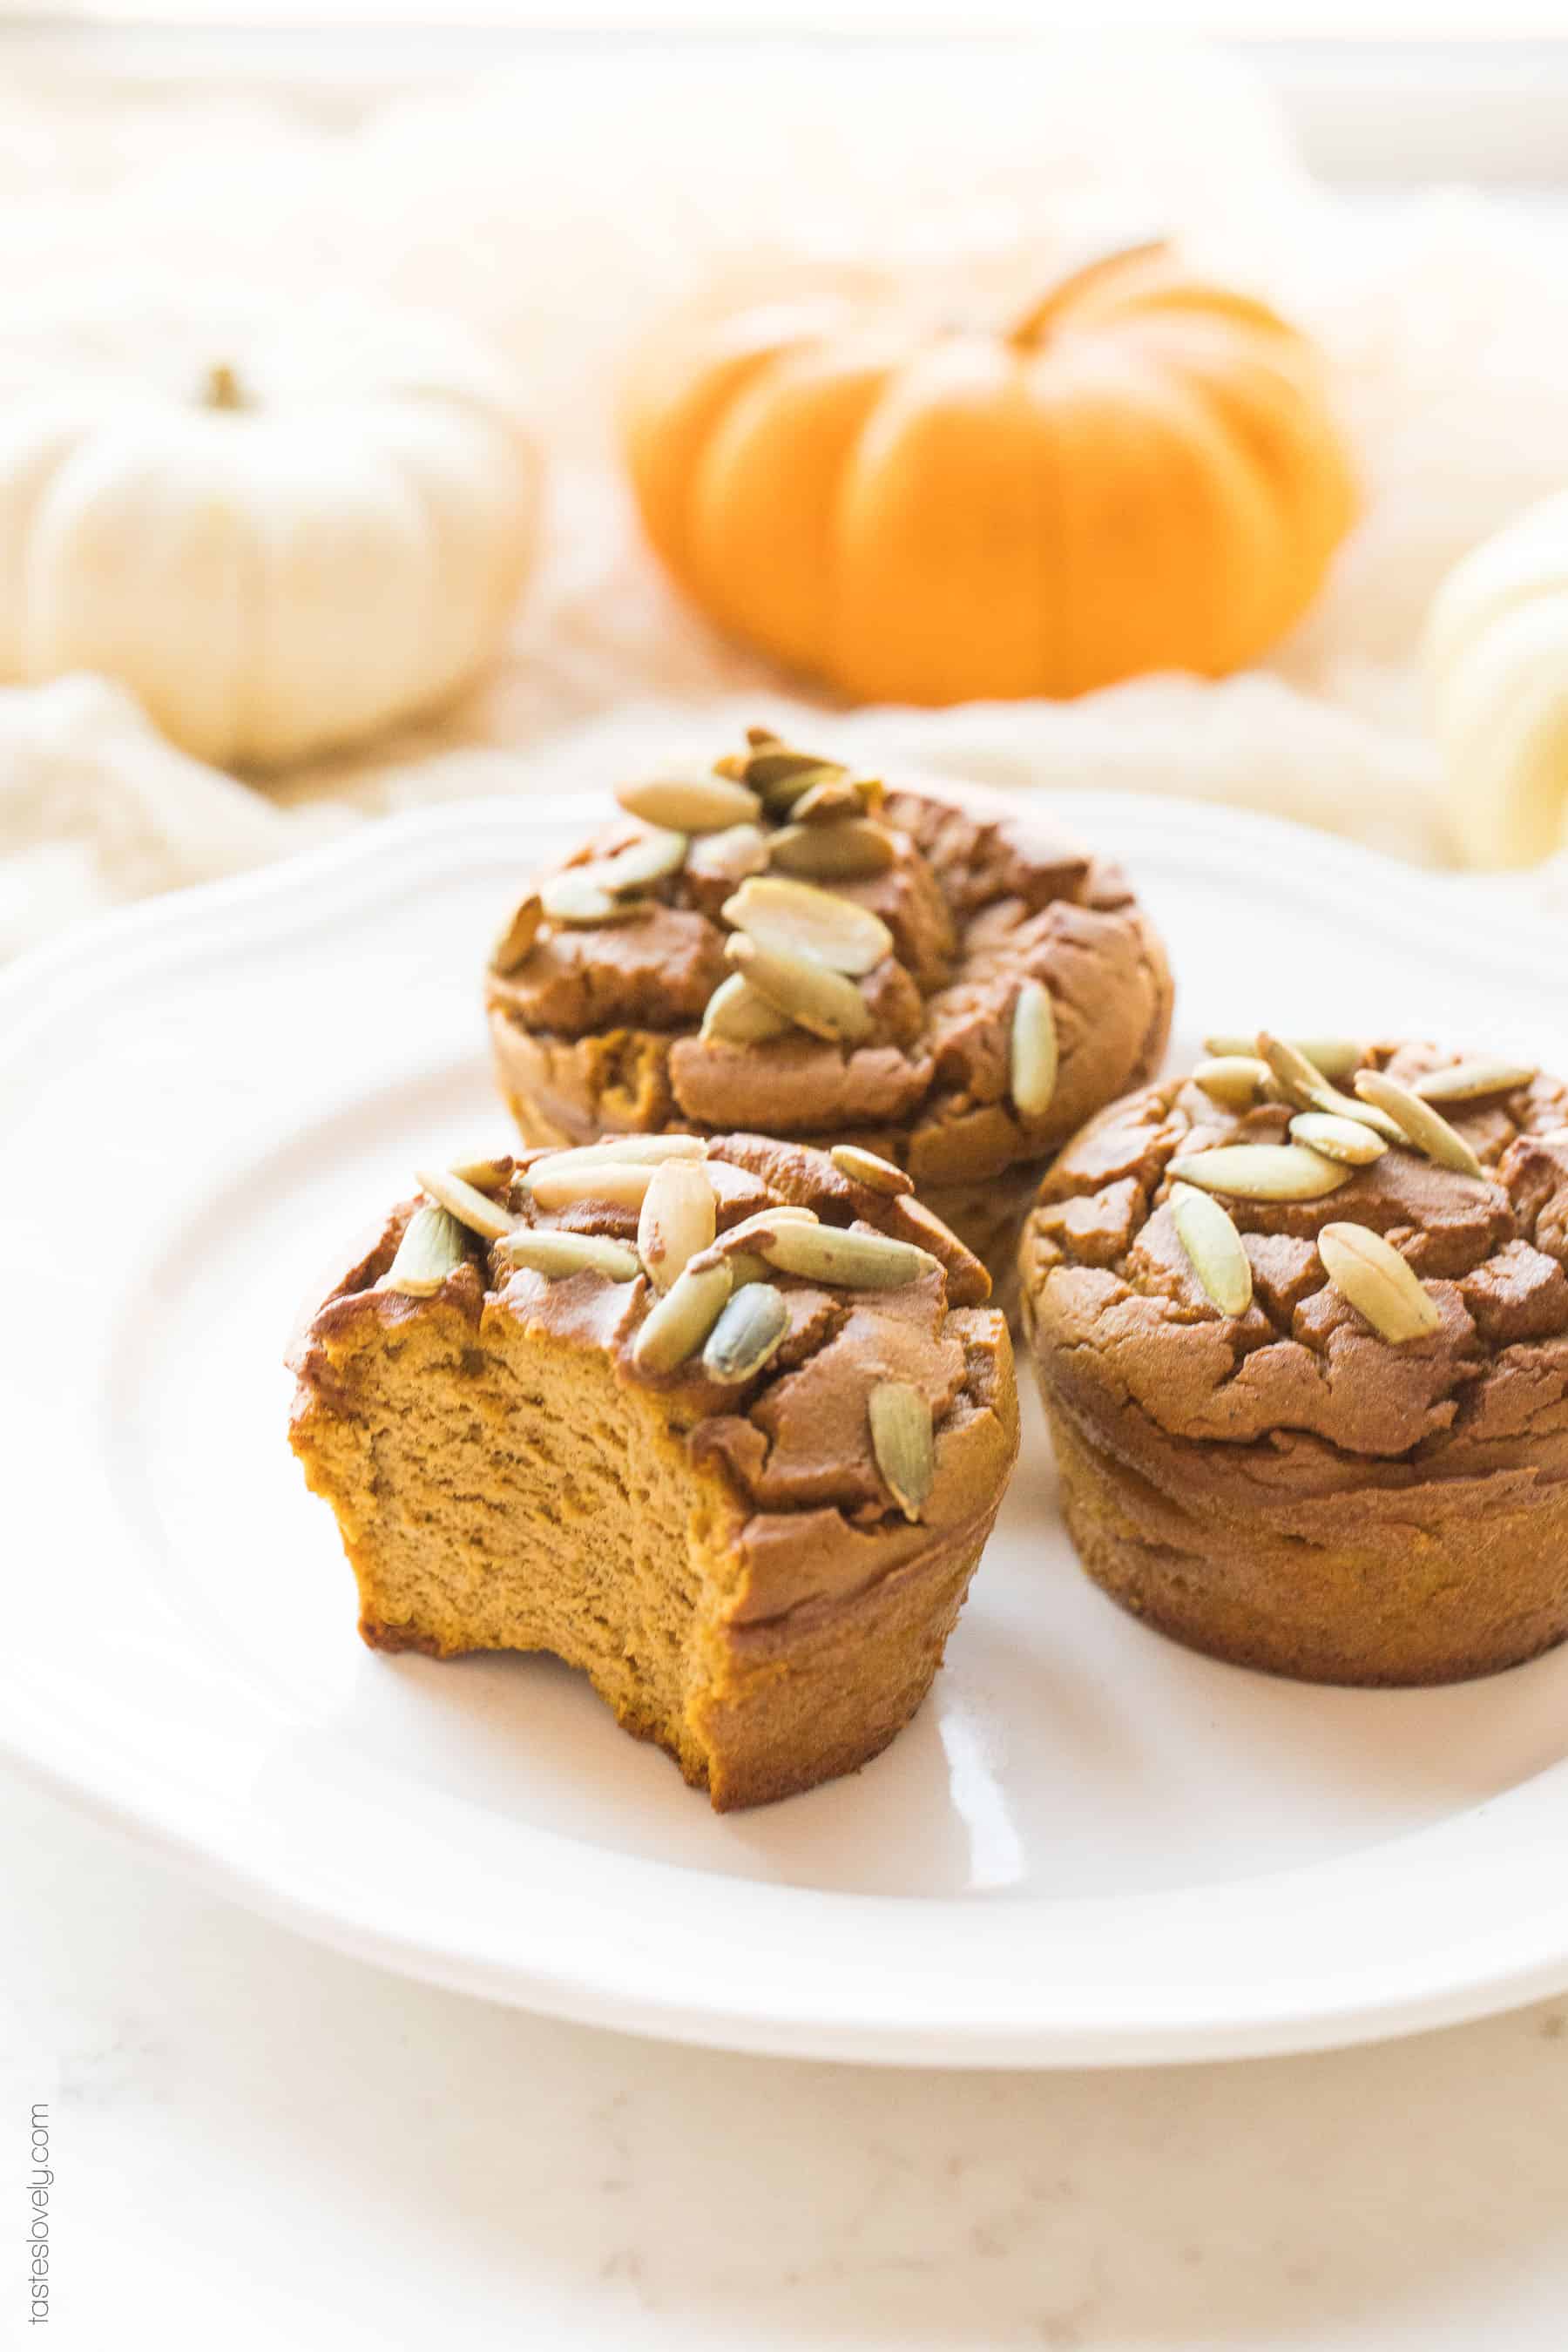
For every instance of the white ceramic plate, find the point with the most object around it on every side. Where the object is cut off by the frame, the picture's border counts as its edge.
(1090, 1846)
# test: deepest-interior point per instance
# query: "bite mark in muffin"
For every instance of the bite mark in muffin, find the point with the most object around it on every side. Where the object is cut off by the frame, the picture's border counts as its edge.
(756, 1535)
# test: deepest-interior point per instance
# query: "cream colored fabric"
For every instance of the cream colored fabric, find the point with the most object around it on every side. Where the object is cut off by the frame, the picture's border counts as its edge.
(560, 205)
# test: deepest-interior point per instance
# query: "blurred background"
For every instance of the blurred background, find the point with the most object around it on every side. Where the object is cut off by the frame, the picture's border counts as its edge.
(317, 498)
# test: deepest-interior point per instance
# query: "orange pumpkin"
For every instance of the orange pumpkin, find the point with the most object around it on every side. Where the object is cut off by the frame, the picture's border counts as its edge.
(1143, 475)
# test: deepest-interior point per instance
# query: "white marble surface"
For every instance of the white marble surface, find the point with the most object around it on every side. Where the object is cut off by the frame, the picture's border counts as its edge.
(259, 2145)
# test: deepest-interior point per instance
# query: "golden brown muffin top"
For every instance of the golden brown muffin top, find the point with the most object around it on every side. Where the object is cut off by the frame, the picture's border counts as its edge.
(849, 1370)
(1130, 1338)
(932, 910)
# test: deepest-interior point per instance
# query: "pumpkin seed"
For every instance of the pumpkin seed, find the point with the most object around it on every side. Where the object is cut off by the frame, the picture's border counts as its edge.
(750, 1327)
(689, 804)
(855, 1261)
(1214, 1248)
(757, 736)
(643, 862)
(866, 1168)
(1378, 1282)
(678, 1215)
(515, 945)
(465, 1202)
(1235, 1081)
(903, 1443)
(433, 1247)
(1305, 1087)
(761, 1222)
(624, 1183)
(849, 851)
(1472, 1081)
(1423, 1127)
(1335, 1057)
(817, 1000)
(650, 1149)
(797, 919)
(730, 856)
(826, 804)
(1033, 1051)
(1299, 1078)
(485, 1175)
(1261, 1172)
(681, 1321)
(738, 1016)
(782, 775)
(1347, 1139)
(543, 1250)
(578, 898)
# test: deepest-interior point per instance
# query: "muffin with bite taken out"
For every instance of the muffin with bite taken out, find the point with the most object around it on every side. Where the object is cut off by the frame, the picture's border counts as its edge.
(723, 1422)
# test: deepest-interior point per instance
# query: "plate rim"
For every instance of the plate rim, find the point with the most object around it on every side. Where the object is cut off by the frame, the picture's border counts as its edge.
(50, 983)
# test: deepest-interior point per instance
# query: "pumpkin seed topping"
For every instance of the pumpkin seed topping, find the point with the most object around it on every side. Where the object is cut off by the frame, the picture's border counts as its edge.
(783, 777)
(650, 1149)
(485, 1175)
(433, 1247)
(797, 919)
(681, 1321)
(751, 1325)
(1214, 1248)
(643, 862)
(1472, 1081)
(555, 1254)
(578, 897)
(1235, 1081)
(855, 1261)
(515, 945)
(1305, 1087)
(1423, 1127)
(1031, 1051)
(737, 1016)
(1378, 1282)
(1346, 1140)
(903, 1443)
(1333, 1057)
(1261, 1172)
(868, 1168)
(730, 856)
(850, 851)
(760, 1222)
(815, 999)
(464, 1201)
(624, 1183)
(841, 796)
(679, 1214)
(688, 803)
(1300, 1080)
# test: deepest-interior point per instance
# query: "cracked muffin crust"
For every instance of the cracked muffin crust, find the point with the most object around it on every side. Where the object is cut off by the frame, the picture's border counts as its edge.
(634, 1009)
(727, 1427)
(1285, 1486)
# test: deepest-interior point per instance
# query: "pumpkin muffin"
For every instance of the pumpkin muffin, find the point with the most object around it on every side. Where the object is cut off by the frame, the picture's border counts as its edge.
(1303, 1346)
(724, 1423)
(779, 945)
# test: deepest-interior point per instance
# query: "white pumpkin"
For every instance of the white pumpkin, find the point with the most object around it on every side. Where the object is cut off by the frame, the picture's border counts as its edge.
(283, 533)
(1497, 655)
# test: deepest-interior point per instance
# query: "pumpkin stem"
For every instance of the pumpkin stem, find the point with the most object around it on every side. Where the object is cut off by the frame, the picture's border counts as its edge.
(222, 388)
(1037, 321)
